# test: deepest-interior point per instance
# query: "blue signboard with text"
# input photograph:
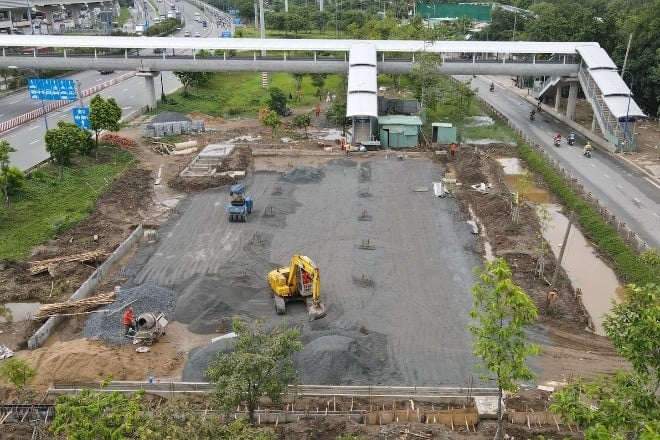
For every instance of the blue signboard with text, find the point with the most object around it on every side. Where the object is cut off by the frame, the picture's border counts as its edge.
(225, 35)
(81, 117)
(52, 89)
(237, 20)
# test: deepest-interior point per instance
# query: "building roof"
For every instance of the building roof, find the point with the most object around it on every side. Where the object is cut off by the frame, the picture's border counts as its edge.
(282, 44)
(595, 57)
(399, 120)
(362, 93)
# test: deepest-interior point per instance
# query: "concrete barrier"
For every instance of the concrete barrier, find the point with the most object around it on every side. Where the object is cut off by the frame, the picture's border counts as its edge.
(40, 336)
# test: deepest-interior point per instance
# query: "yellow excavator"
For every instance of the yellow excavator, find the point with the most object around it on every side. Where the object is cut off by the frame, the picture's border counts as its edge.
(301, 281)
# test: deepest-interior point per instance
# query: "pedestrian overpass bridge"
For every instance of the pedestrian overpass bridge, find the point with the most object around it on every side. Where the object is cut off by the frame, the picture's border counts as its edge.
(565, 64)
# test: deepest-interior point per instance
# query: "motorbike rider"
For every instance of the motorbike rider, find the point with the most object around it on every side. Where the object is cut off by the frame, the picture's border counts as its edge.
(532, 114)
(571, 138)
(587, 149)
(557, 138)
(492, 87)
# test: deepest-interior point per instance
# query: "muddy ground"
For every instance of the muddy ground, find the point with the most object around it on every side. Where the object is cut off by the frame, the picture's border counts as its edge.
(568, 348)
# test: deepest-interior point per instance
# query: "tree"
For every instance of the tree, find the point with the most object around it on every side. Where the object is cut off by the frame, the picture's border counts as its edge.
(624, 405)
(271, 119)
(62, 142)
(103, 115)
(502, 312)
(18, 372)
(277, 101)
(302, 120)
(633, 327)
(94, 415)
(191, 79)
(11, 178)
(259, 365)
(425, 79)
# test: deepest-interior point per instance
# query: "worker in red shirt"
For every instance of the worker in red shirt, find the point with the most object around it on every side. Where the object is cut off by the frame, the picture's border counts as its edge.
(129, 321)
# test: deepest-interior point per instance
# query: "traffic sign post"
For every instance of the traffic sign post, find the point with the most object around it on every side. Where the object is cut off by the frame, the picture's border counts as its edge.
(225, 35)
(52, 89)
(81, 117)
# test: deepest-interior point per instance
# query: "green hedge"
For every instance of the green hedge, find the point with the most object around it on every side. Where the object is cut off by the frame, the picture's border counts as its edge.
(625, 260)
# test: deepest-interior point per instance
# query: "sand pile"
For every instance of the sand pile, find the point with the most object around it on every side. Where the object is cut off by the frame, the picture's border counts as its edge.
(303, 174)
(85, 360)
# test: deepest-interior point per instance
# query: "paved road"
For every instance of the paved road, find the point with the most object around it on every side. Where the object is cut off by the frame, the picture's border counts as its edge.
(625, 191)
(131, 95)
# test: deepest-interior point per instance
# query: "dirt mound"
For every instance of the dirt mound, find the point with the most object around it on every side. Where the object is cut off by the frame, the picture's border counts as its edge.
(303, 174)
(86, 360)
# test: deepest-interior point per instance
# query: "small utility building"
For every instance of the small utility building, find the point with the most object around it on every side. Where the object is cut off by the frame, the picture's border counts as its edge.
(398, 131)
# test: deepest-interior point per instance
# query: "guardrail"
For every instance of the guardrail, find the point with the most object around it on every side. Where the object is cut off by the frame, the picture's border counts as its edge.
(366, 391)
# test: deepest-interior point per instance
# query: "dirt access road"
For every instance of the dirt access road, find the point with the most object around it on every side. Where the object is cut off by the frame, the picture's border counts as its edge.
(417, 238)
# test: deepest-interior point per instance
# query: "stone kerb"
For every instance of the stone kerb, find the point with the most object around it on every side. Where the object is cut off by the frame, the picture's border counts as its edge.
(40, 336)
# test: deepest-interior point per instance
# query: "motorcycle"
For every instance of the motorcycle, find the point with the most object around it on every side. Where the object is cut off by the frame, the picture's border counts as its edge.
(532, 117)
(571, 141)
(557, 142)
(492, 87)
(587, 152)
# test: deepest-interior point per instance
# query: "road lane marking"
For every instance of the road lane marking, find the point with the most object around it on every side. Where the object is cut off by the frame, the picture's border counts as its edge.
(33, 127)
(619, 186)
(14, 102)
(652, 182)
(34, 142)
(655, 214)
(63, 115)
(607, 176)
(593, 165)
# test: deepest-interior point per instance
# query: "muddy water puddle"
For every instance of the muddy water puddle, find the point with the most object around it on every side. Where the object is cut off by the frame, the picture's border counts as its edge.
(18, 311)
(585, 270)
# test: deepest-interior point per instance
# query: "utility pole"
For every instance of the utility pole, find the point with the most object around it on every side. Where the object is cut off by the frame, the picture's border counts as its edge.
(561, 252)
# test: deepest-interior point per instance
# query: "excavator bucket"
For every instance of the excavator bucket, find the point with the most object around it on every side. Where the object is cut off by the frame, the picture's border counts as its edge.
(316, 311)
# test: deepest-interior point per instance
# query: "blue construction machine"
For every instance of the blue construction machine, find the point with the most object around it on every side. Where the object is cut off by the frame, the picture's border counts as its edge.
(240, 205)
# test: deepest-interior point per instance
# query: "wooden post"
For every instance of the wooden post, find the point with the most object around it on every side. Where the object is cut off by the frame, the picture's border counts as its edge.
(561, 252)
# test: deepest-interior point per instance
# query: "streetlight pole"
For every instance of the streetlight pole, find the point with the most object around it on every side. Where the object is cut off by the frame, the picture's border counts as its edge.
(625, 125)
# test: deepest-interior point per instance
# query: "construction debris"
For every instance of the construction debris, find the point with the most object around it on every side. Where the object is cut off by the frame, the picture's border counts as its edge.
(5, 352)
(483, 188)
(74, 307)
(39, 266)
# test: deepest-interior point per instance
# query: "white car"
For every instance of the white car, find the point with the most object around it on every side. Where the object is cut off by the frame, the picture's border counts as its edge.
(186, 34)
(197, 34)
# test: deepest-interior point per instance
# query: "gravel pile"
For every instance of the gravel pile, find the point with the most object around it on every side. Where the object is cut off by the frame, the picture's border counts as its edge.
(303, 174)
(108, 325)
(200, 358)
(170, 117)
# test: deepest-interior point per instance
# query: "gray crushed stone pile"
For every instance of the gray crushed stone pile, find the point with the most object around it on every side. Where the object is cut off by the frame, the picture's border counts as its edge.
(396, 310)
(107, 324)
(170, 117)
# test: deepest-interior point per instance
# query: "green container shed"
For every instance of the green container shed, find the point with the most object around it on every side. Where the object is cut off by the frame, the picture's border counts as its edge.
(398, 131)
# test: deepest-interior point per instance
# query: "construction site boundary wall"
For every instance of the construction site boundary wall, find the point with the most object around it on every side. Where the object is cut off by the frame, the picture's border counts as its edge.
(40, 336)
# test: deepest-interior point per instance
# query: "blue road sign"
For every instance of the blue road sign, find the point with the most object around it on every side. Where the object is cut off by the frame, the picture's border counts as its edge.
(81, 117)
(233, 11)
(237, 20)
(225, 35)
(52, 89)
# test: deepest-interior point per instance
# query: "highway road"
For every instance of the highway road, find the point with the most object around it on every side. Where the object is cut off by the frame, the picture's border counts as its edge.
(131, 95)
(625, 191)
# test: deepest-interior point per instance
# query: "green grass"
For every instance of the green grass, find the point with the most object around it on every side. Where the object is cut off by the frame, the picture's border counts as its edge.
(242, 95)
(497, 132)
(47, 206)
(124, 15)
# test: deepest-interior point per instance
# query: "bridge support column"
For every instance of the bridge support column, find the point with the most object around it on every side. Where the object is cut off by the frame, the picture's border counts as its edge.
(558, 96)
(151, 91)
(75, 13)
(572, 99)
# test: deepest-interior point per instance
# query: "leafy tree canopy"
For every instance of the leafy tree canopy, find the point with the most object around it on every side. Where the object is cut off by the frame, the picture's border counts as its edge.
(259, 365)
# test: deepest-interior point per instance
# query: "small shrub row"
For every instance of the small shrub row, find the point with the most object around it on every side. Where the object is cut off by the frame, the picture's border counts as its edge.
(625, 260)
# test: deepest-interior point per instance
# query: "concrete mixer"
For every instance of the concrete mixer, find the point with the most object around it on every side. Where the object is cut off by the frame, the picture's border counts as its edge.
(149, 328)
